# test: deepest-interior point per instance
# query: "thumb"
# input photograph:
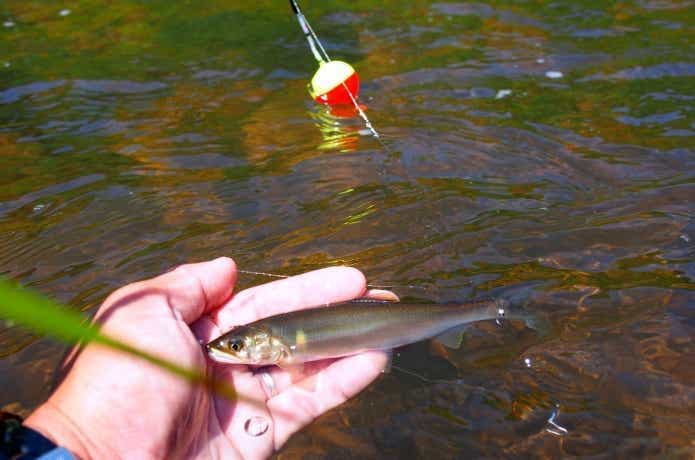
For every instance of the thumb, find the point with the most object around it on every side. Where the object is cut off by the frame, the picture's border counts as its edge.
(194, 289)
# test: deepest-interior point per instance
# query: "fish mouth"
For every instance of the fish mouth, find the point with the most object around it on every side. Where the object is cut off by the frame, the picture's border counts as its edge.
(221, 357)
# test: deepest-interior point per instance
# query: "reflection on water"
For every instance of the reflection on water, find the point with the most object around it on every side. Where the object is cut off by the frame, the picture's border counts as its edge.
(340, 128)
(540, 152)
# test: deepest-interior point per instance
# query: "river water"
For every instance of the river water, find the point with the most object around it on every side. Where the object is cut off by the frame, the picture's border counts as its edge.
(537, 151)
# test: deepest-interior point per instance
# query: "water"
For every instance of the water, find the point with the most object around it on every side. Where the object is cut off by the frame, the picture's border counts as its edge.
(541, 152)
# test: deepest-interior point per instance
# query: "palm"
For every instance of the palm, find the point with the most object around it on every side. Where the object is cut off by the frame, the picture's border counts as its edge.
(122, 407)
(276, 403)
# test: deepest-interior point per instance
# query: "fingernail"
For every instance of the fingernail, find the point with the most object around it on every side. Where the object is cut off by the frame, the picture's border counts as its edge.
(382, 294)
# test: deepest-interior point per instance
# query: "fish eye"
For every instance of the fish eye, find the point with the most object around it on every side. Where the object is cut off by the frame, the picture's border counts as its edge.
(236, 344)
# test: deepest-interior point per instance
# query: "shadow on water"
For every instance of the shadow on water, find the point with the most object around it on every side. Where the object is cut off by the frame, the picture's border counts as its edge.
(541, 152)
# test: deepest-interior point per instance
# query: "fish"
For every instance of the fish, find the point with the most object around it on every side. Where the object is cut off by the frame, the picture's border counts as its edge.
(349, 328)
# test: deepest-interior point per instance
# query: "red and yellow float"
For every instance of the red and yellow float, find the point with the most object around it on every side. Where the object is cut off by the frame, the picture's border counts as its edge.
(333, 83)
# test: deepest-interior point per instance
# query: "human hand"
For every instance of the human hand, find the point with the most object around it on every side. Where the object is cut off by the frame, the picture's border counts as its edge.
(112, 405)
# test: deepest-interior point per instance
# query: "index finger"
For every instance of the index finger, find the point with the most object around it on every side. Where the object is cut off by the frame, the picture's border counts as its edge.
(311, 289)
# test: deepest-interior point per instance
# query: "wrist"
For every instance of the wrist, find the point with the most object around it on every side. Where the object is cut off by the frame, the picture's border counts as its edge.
(20, 441)
(59, 428)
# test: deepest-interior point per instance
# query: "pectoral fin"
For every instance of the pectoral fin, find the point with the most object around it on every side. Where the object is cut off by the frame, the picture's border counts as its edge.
(297, 371)
(389, 362)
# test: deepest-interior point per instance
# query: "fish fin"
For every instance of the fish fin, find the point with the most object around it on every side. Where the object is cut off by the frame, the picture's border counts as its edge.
(451, 338)
(389, 362)
(438, 349)
(295, 370)
(539, 323)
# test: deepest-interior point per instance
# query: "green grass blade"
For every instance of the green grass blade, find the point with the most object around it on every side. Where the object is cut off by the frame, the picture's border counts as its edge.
(45, 317)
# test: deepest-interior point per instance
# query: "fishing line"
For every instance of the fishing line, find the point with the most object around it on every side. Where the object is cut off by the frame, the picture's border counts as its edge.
(418, 376)
(309, 34)
(271, 275)
(322, 56)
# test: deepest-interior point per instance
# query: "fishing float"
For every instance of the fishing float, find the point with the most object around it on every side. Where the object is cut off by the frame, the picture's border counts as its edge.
(335, 83)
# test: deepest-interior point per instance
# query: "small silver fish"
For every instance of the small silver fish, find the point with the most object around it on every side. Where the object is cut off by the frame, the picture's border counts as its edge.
(348, 328)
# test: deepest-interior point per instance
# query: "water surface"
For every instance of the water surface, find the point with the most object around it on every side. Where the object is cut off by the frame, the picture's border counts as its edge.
(541, 152)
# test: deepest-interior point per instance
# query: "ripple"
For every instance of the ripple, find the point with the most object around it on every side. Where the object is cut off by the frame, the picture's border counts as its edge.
(656, 119)
(676, 69)
(220, 75)
(9, 206)
(117, 86)
(15, 94)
